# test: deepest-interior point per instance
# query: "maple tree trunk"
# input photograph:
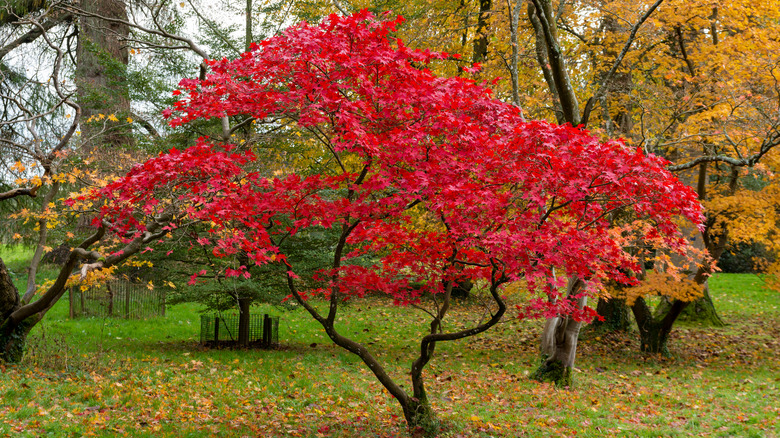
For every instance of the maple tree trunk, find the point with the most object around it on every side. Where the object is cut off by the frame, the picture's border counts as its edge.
(655, 327)
(13, 338)
(420, 417)
(9, 295)
(559, 344)
(546, 31)
(481, 38)
(541, 59)
(418, 412)
(703, 311)
(243, 320)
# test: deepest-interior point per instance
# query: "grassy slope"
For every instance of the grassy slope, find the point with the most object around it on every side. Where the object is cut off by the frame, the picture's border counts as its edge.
(110, 377)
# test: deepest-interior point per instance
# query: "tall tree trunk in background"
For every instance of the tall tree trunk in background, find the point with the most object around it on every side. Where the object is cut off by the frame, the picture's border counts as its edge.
(481, 37)
(616, 314)
(544, 21)
(544, 64)
(101, 57)
(248, 26)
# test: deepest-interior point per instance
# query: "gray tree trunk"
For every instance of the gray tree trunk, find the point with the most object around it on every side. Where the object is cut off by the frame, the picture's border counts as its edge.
(559, 343)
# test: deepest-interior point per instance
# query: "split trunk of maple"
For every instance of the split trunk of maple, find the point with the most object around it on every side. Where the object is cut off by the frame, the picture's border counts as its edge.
(559, 342)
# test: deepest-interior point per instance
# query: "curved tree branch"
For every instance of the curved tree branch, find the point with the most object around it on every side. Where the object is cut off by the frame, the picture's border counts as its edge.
(21, 191)
(154, 230)
(33, 34)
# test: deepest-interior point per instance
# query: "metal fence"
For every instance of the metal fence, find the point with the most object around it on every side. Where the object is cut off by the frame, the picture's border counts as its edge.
(117, 298)
(224, 330)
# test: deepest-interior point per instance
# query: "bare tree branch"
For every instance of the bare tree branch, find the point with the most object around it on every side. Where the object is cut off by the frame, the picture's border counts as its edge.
(32, 34)
(154, 230)
(22, 191)
(602, 90)
(768, 144)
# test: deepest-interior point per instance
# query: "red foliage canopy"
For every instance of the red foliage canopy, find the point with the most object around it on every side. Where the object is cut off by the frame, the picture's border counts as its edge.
(501, 198)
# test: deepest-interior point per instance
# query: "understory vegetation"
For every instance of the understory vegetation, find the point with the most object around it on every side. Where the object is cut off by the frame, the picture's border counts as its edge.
(115, 377)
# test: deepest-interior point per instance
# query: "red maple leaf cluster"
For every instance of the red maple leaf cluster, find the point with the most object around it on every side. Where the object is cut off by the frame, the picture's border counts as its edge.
(434, 179)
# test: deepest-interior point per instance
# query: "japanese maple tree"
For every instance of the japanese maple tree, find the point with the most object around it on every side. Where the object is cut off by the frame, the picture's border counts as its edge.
(431, 180)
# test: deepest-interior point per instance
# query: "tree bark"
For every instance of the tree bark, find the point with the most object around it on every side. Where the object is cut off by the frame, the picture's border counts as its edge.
(702, 310)
(101, 56)
(715, 244)
(9, 295)
(12, 336)
(654, 330)
(616, 314)
(481, 37)
(243, 321)
(559, 343)
(549, 34)
(544, 64)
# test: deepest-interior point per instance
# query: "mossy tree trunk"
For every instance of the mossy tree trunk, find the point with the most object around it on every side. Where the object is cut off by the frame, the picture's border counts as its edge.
(714, 239)
(655, 327)
(102, 55)
(13, 338)
(701, 310)
(13, 331)
(616, 314)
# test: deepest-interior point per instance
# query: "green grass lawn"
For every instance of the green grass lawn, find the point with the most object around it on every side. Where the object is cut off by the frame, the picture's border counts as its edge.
(114, 377)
